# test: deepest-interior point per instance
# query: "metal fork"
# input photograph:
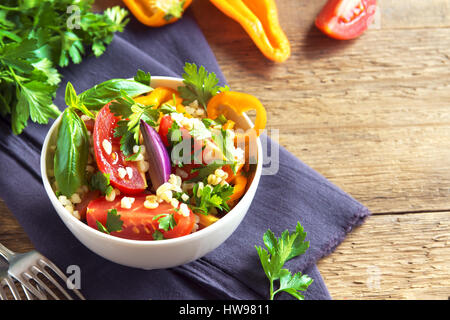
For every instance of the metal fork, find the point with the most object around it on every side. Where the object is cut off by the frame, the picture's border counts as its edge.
(26, 268)
(7, 281)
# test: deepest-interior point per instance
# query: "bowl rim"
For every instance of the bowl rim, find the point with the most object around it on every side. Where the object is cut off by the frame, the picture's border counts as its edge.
(151, 243)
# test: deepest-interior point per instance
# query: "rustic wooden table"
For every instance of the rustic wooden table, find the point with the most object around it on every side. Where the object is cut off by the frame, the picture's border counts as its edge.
(371, 115)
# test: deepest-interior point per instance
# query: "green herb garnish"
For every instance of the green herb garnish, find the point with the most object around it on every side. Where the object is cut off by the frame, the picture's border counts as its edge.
(280, 250)
(211, 197)
(113, 222)
(157, 235)
(100, 181)
(36, 37)
(166, 221)
(143, 77)
(128, 127)
(199, 85)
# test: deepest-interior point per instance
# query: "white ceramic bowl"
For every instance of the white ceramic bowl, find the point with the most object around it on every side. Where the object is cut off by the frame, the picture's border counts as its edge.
(154, 254)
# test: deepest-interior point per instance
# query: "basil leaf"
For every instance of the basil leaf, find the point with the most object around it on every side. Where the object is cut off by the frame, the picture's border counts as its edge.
(73, 101)
(96, 97)
(72, 149)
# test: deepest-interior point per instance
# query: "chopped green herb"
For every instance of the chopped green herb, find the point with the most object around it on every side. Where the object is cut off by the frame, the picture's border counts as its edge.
(142, 77)
(221, 120)
(134, 156)
(209, 197)
(166, 221)
(100, 181)
(113, 222)
(167, 108)
(157, 235)
(131, 114)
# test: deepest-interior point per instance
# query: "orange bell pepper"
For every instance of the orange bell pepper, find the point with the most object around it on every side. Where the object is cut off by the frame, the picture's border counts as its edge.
(239, 183)
(207, 220)
(156, 13)
(158, 96)
(239, 102)
(259, 18)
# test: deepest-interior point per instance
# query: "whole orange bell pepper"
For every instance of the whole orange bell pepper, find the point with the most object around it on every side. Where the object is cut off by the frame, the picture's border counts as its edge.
(239, 102)
(156, 13)
(259, 18)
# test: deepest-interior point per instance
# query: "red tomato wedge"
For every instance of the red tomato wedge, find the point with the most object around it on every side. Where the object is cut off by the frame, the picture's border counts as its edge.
(164, 125)
(110, 162)
(138, 223)
(82, 206)
(346, 19)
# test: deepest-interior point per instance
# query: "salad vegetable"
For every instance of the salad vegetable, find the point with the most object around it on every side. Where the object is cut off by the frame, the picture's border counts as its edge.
(260, 20)
(156, 13)
(36, 37)
(346, 19)
(142, 163)
(159, 161)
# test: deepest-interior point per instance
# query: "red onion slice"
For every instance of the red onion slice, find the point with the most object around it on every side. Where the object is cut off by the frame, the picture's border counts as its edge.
(158, 157)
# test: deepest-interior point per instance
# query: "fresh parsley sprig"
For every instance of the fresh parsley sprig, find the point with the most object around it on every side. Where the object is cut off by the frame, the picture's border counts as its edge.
(279, 251)
(199, 84)
(36, 37)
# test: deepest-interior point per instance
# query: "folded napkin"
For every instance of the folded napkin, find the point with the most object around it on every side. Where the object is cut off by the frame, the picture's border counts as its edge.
(232, 271)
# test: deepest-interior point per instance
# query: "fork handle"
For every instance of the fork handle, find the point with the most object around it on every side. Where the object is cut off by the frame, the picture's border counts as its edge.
(6, 253)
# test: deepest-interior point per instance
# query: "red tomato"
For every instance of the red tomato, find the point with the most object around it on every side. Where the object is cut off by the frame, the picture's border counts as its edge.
(82, 206)
(186, 173)
(164, 125)
(105, 123)
(346, 19)
(138, 223)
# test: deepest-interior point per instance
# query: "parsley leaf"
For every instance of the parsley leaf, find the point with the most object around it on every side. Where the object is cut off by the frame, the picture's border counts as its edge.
(166, 221)
(207, 198)
(36, 37)
(113, 222)
(128, 127)
(157, 235)
(279, 251)
(199, 85)
(142, 77)
(100, 181)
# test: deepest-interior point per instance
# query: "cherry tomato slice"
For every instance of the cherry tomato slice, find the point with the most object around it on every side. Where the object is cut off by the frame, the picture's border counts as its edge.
(138, 223)
(109, 161)
(346, 19)
(82, 206)
(164, 125)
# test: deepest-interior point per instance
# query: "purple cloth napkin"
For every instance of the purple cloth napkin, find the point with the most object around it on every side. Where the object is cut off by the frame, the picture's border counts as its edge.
(232, 271)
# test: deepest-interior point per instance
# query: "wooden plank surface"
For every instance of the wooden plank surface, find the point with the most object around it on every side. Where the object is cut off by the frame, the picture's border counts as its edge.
(372, 115)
